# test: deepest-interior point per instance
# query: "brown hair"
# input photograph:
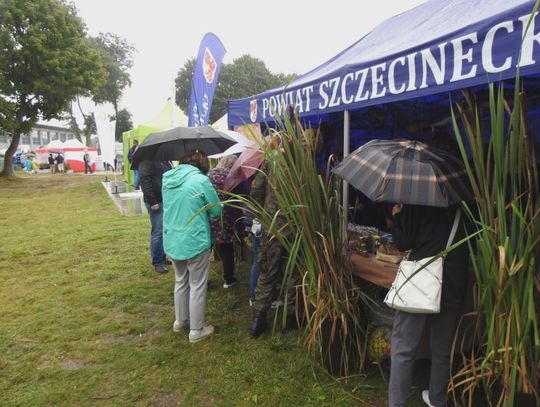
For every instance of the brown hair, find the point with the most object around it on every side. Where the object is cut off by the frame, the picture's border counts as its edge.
(196, 158)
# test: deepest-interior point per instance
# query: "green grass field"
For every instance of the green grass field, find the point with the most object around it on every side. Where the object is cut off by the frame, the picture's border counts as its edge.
(85, 320)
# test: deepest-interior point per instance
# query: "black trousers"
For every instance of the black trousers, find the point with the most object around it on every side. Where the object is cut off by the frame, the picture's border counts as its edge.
(225, 251)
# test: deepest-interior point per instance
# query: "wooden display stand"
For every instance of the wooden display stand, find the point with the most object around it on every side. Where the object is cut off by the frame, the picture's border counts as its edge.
(375, 271)
(382, 274)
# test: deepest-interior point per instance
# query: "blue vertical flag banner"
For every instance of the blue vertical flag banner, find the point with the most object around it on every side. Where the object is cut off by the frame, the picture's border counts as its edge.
(204, 81)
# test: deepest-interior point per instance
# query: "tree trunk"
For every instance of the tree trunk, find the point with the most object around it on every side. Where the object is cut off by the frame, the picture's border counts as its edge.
(87, 138)
(7, 171)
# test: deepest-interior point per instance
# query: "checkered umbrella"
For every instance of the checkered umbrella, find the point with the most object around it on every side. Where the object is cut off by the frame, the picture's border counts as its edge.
(406, 171)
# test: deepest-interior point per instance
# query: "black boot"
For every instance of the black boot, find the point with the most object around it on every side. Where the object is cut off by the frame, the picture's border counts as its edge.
(258, 324)
(291, 324)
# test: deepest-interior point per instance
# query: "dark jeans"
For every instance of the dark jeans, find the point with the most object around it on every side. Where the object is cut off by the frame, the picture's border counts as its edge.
(225, 251)
(156, 236)
(254, 273)
(87, 168)
(136, 179)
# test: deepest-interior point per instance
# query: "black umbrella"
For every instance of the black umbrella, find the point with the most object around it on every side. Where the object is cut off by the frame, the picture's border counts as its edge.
(172, 144)
(406, 171)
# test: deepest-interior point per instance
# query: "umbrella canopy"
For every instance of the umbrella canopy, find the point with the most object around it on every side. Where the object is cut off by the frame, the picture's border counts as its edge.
(173, 143)
(242, 142)
(406, 171)
(244, 167)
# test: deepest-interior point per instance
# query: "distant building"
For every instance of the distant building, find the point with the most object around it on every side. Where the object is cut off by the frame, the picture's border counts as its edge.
(40, 135)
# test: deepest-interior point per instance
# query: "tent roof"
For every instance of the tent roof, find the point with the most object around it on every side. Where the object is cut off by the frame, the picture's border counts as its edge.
(169, 116)
(439, 46)
(221, 123)
(73, 143)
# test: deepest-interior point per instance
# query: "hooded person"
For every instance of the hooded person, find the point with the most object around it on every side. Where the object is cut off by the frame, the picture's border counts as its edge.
(225, 231)
(188, 200)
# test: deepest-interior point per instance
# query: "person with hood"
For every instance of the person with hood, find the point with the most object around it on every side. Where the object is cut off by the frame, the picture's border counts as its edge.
(225, 230)
(188, 200)
(35, 165)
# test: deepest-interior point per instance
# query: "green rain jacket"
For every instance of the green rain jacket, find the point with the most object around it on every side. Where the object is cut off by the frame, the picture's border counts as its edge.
(186, 228)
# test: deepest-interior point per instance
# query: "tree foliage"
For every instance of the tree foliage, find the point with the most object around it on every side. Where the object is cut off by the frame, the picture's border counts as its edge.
(117, 58)
(244, 77)
(123, 123)
(47, 60)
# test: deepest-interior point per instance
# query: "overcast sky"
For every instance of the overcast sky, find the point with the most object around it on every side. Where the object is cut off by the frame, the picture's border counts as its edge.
(288, 36)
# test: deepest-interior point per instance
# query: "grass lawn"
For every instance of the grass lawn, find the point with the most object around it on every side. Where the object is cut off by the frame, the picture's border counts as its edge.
(86, 321)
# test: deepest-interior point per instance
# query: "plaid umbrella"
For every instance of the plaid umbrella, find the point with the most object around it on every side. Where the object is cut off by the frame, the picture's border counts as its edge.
(406, 171)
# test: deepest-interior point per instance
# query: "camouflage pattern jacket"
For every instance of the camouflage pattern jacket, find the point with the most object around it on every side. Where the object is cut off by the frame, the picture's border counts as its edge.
(262, 191)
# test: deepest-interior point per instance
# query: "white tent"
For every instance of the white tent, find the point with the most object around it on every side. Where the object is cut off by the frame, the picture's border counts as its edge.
(242, 142)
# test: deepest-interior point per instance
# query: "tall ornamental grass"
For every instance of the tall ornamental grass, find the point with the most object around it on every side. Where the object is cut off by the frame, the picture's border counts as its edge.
(313, 237)
(502, 169)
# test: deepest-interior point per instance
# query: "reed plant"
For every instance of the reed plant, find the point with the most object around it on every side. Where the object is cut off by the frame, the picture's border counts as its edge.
(311, 232)
(505, 363)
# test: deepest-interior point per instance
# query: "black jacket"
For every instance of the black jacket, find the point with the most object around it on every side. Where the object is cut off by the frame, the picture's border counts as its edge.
(130, 157)
(425, 230)
(150, 173)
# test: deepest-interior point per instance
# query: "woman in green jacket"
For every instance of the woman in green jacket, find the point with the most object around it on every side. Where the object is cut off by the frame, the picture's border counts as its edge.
(186, 190)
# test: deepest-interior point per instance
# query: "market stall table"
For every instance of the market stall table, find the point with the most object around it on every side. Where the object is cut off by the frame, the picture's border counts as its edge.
(378, 272)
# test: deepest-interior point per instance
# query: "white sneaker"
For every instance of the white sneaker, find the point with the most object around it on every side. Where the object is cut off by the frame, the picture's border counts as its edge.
(425, 397)
(201, 334)
(179, 325)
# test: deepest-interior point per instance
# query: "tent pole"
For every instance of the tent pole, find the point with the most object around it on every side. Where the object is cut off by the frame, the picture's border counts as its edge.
(346, 140)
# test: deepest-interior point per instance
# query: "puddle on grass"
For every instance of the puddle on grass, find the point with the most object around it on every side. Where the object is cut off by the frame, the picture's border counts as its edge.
(166, 400)
(72, 364)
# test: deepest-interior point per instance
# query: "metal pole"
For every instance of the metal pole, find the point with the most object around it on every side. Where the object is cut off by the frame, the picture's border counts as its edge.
(346, 146)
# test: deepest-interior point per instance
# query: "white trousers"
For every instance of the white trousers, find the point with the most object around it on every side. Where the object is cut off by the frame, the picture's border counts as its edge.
(191, 281)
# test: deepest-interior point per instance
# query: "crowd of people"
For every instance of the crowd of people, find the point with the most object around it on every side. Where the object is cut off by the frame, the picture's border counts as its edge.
(188, 220)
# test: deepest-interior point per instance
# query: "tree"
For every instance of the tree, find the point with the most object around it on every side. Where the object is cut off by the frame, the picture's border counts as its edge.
(123, 123)
(182, 83)
(89, 128)
(244, 77)
(47, 61)
(117, 58)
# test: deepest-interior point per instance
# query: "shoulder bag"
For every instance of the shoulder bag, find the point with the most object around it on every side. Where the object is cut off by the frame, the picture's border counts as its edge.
(418, 284)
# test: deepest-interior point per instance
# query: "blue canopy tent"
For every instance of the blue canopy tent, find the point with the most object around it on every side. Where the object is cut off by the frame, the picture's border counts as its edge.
(437, 47)
(407, 67)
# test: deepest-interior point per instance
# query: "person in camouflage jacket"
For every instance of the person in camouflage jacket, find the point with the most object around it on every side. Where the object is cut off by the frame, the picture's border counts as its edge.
(271, 254)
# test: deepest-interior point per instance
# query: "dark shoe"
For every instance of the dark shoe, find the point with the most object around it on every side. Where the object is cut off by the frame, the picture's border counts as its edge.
(160, 268)
(230, 283)
(290, 324)
(258, 324)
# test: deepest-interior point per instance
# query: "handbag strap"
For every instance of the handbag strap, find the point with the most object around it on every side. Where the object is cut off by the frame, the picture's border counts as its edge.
(454, 228)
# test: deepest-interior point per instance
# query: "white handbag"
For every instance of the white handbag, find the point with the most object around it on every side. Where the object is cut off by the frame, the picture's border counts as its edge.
(418, 284)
